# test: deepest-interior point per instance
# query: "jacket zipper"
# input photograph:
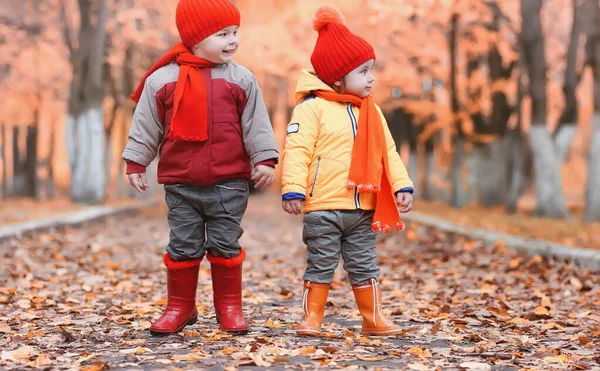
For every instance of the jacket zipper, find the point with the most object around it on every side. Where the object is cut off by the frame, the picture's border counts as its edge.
(312, 188)
(354, 130)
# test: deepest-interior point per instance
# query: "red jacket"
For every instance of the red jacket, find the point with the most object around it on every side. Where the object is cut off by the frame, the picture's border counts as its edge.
(239, 130)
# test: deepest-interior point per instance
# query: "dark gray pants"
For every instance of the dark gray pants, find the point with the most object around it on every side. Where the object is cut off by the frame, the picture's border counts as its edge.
(205, 218)
(330, 233)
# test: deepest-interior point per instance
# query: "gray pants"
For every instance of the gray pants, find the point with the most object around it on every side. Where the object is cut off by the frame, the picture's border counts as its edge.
(205, 218)
(331, 232)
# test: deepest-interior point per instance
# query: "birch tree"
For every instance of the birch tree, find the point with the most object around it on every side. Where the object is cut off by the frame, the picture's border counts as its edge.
(592, 193)
(550, 199)
(85, 136)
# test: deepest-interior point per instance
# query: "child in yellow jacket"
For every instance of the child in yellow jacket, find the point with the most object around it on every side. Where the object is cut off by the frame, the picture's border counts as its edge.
(341, 169)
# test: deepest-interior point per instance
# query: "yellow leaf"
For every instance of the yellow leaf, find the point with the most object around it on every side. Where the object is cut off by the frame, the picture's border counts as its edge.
(228, 351)
(552, 325)
(370, 359)
(419, 352)
(96, 366)
(546, 302)
(272, 324)
(23, 352)
(43, 360)
(160, 302)
(518, 321)
(191, 333)
(541, 311)
(563, 358)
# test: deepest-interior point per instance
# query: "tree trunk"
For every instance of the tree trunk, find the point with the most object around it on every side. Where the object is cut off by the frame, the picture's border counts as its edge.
(567, 123)
(550, 199)
(3, 189)
(31, 162)
(458, 192)
(19, 178)
(85, 121)
(592, 194)
(428, 186)
(516, 144)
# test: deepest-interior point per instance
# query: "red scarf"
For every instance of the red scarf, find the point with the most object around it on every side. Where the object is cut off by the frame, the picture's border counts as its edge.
(369, 168)
(190, 104)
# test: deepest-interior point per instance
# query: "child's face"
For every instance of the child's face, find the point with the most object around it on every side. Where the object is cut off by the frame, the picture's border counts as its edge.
(218, 47)
(359, 81)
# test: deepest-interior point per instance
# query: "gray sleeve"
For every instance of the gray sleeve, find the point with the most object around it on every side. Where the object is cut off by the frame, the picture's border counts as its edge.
(146, 132)
(259, 138)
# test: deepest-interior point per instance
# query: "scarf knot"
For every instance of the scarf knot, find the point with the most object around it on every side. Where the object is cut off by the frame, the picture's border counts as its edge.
(190, 104)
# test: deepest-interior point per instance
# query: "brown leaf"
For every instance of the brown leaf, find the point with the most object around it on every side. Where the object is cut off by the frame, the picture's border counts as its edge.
(307, 351)
(435, 328)
(370, 359)
(583, 339)
(96, 366)
(330, 349)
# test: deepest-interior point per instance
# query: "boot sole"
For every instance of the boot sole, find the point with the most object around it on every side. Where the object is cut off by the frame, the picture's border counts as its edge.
(167, 333)
(314, 333)
(381, 333)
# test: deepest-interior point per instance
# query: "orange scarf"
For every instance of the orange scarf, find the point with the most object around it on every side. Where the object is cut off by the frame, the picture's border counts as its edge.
(369, 167)
(190, 104)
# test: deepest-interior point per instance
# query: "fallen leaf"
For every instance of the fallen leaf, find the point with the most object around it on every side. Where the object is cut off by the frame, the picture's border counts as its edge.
(370, 359)
(419, 352)
(96, 366)
(43, 360)
(419, 367)
(23, 352)
(546, 302)
(308, 351)
(272, 324)
(435, 328)
(576, 283)
(476, 366)
(563, 358)
(583, 340)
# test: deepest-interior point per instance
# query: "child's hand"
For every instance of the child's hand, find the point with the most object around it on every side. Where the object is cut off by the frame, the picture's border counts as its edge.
(264, 176)
(404, 200)
(138, 181)
(292, 206)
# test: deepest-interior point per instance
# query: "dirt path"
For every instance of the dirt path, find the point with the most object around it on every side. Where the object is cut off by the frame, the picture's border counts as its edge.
(85, 299)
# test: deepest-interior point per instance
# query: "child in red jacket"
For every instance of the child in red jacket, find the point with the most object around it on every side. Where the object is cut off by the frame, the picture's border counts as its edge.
(205, 117)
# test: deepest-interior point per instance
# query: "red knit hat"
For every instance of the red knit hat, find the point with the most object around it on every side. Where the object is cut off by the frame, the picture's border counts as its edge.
(198, 19)
(337, 51)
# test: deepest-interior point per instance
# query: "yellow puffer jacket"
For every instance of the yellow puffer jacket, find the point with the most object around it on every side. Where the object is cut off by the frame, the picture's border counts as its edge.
(318, 150)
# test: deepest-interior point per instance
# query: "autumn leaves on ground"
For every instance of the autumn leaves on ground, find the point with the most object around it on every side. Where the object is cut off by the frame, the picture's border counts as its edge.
(84, 298)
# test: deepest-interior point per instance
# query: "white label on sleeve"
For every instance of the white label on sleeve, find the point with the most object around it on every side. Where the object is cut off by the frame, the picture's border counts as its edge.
(293, 128)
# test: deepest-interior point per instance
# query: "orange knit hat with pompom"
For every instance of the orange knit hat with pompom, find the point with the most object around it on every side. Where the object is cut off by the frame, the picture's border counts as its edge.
(337, 51)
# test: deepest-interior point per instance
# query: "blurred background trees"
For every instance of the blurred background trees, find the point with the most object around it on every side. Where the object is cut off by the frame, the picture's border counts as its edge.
(494, 102)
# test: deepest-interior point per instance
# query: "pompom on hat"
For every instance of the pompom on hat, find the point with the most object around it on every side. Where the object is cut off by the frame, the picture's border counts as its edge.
(337, 51)
(198, 19)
